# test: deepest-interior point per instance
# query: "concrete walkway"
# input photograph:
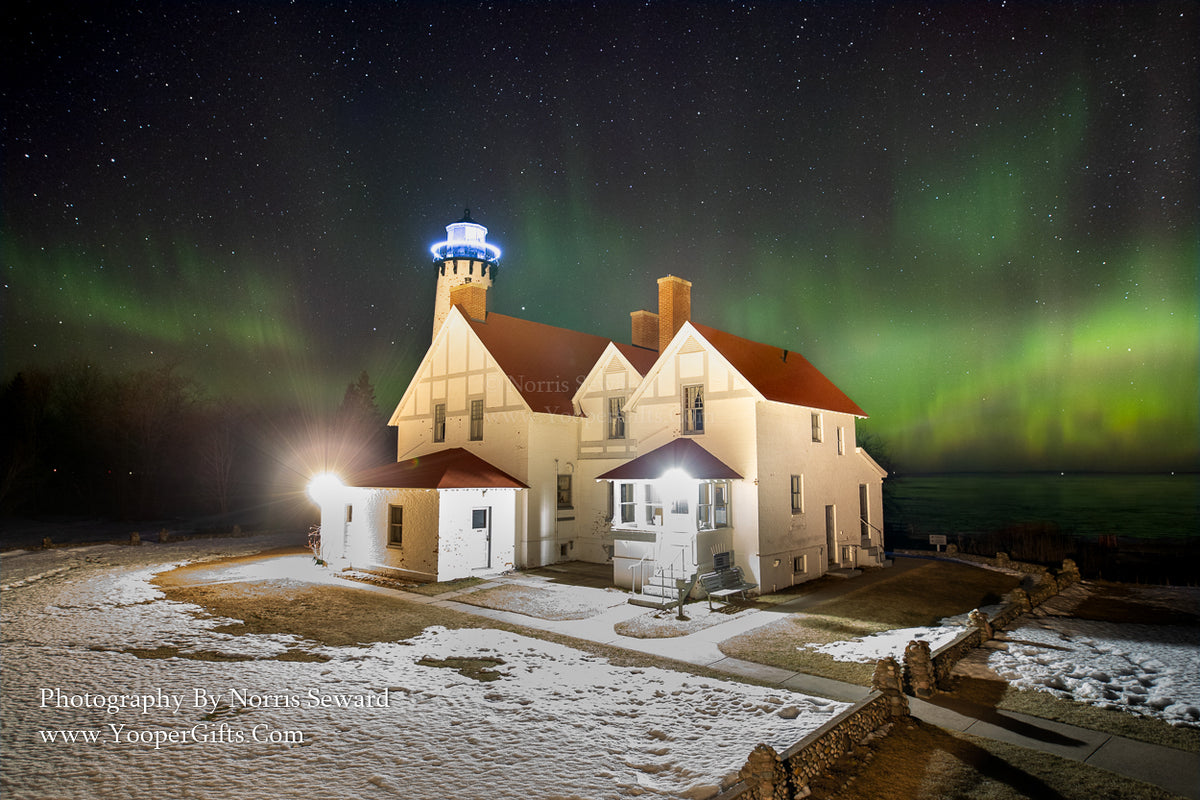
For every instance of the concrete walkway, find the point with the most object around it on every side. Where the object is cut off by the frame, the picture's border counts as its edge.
(1173, 770)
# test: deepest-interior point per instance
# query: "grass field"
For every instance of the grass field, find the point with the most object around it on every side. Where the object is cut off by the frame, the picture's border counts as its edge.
(916, 597)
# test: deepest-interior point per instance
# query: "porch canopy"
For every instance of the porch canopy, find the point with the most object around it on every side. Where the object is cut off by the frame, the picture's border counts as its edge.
(454, 468)
(681, 454)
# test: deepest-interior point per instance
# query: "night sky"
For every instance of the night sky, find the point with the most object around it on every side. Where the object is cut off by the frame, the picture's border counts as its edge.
(979, 220)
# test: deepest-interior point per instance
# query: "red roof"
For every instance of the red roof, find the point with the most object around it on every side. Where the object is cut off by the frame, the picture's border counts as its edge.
(682, 454)
(780, 375)
(642, 358)
(455, 468)
(545, 363)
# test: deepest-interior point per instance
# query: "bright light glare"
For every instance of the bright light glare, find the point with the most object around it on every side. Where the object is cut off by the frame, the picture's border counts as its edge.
(676, 483)
(324, 486)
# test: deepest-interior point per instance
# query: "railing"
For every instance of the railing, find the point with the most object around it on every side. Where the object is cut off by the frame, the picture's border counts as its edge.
(637, 579)
(865, 534)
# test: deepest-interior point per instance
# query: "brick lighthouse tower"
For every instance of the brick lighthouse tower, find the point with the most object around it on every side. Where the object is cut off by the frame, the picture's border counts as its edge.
(465, 259)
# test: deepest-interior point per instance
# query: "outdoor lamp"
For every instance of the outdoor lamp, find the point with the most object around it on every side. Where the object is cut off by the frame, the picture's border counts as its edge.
(324, 486)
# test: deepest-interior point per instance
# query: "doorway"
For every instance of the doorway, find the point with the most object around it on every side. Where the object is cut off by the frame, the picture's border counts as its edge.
(481, 538)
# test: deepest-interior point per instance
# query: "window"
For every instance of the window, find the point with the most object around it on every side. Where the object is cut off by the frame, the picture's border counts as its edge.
(349, 514)
(439, 422)
(628, 504)
(816, 426)
(476, 420)
(800, 564)
(564, 491)
(395, 526)
(693, 409)
(841, 440)
(797, 494)
(616, 417)
(653, 506)
(712, 508)
(679, 505)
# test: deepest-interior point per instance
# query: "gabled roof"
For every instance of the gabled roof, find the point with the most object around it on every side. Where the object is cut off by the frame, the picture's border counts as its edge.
(454, 468)
(682, 454)
(642, 358)
(545, 363)
(778, 374)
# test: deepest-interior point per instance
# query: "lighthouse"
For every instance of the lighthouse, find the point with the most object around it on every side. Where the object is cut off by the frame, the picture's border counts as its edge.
(467, 260)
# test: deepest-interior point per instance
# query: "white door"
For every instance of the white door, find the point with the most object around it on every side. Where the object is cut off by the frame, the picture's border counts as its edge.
(481, 538)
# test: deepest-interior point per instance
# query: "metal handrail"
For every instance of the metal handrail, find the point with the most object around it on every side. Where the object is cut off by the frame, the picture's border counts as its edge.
(641, 567)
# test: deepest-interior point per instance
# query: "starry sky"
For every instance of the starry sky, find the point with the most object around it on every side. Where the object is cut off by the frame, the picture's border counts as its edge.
(978, 219)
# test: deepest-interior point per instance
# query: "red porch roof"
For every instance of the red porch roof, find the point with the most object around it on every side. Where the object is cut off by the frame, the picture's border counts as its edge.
(682, 454)
(455, 468)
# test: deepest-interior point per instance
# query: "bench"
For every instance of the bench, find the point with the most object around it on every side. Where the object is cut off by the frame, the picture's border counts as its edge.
(723, 584)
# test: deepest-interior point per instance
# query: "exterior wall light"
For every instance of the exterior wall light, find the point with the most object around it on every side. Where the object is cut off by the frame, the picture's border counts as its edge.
(324, 487)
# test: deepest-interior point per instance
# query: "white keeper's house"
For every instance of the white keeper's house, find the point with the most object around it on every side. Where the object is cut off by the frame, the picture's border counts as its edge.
(522, 445)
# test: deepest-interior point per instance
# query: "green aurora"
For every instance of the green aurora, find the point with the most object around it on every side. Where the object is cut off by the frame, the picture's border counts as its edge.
(985, 232)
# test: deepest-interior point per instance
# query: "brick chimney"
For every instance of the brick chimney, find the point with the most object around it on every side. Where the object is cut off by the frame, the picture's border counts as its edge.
(472, 298)
(674, 308)
(645, 329)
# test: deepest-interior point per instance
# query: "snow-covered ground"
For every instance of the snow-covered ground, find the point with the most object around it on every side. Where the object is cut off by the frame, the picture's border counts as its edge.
(369, 722)
(1143, 669)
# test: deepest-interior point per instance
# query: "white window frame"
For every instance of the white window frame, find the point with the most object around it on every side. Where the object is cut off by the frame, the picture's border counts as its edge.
(616, 417)
(692, 409)
(395, 529)
(476, 424)
(712, 505)
(439, 422)
(627, 503)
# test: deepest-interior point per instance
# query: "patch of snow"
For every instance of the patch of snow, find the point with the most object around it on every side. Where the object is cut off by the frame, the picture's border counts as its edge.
(369, 722)
(869, 649)
(1152, 670)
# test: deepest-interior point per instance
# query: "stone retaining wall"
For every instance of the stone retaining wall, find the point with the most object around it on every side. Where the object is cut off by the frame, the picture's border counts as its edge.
(769, 775)
(1038, 586)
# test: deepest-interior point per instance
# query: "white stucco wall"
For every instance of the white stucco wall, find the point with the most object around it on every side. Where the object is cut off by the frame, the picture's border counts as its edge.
(456, 370)
(729, 433)
(613, 376)
(362, 543)
(553, 449)
(461, 553)
(831, 477)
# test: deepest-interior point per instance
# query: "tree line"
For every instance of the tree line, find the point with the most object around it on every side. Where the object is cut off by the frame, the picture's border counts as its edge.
(76, 440)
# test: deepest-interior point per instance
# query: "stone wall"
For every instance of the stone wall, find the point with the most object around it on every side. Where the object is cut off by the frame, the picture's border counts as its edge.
(770, 775)
(1038, 586)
